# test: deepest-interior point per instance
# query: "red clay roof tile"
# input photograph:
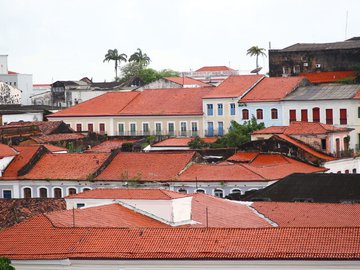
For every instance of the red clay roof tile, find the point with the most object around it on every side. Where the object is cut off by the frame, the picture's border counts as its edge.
(182, 141)
(187, 81)
(328, 77)
(215, 68)
(178, 101)
(6, 151)
(146, 166)
(107, 146)
(243, 156)
(129, 194)
(66, 166)
(110, 103)
(57, 137)
(286, 214)
(22, 241)
(234, 86)
(272, 89)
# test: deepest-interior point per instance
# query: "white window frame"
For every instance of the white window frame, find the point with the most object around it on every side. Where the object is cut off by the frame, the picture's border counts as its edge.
(23, 192)
(218, 189)
(167, 127)
(81, 127)
(38, 191)
(130, 132)
(217, 109)
(161, 128)
(186, 128)
(142, 128)
(104, 127)
(82, 189)
(197, 128)
(68, 188)
(53, 191)
(195, 190)
(234, 109)
(118, 130)
(232, 190)
(12, 197)
(87, 126)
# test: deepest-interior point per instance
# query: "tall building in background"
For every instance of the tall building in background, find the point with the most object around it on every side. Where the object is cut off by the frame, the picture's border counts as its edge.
(24, 82)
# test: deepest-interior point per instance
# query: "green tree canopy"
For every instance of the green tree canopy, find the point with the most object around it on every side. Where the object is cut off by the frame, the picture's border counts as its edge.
(197, 143)
(140, 58)
(238, 134)
(256, 51)
(113, 55)
(5, 264)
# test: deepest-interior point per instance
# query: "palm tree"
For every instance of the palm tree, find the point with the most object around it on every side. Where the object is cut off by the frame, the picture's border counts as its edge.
(5, 264)
(140, 58)
(255, 50)
(113, 55)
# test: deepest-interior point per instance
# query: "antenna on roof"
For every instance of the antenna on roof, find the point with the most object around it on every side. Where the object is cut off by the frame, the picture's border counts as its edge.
(73, 216)
(207, 218)
(346, 23)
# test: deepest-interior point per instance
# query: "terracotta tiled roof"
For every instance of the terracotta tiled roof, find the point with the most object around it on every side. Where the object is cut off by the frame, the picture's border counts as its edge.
(57, 137)
(107, 104)
(301, 128)
(287, 214)
(234, 86)
(305, 147)
(13, 211)
(23, 242)
(107, 146)
(182, 141)
(178, 101)
(277, 166)
(187, 81)
(328, 77)
(264, 167)
(6, 151)
(272, 89)
(219, 172)
(243, 156)
(111, 215)
(215, 68)
(129, 194)
(237, 215)
(146, 166)
(46, 127)
(54, 148)
(24, 156)
(66, 166)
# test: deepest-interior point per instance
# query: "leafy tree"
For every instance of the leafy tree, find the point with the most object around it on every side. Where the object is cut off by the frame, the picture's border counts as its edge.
(256, 51)
(148, 75)
(197, 143)
(140, 58)
(113, 55)
(5, 264)
(168, 73)
(238, 134)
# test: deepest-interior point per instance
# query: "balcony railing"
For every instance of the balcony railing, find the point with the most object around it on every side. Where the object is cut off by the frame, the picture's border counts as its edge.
(176, 133)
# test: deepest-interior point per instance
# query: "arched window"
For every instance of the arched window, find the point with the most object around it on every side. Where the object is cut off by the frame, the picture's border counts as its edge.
(200, 190)
(27, 193)
(274, 114)
(245, 114)
(57, 193)
(259, 114)
(86, 189)
(43, 193)
(316, 114)
(236, 190)
(219, 193)
(354, 170)
(182, 190)
(72, 191)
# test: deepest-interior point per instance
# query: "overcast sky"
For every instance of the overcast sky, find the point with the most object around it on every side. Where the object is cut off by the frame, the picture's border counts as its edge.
(67, 39)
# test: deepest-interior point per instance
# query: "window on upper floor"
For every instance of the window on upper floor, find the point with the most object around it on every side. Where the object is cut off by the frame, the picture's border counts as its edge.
(232, 108)
(354, 170)
(304, 115)
(27, 193)
(102, 128)
(72, 191)
(292, 114)
(43, 193)
(90, 127)
(259, 114)
(220, 109)
(219, 193)
(343, 117)
(182, 190)
(210, 109)
(329, 116)
(200, 190)
(274, 114)
(80, 205)
(78, 127)
(323, 144)
(7, 194)
(57, 193)
(316, 114)
(245, 114)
